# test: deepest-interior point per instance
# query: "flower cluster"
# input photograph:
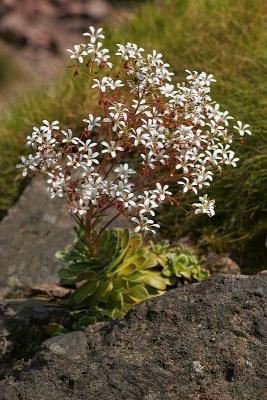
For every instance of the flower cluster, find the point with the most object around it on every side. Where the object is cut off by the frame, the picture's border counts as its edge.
(150, 130)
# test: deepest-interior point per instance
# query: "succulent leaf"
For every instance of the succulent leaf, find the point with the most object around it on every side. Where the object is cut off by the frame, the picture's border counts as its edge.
(84, 291)
(122, 272)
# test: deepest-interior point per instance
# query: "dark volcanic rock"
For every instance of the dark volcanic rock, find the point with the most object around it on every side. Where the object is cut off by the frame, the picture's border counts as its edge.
(198, 342)
(23, 327)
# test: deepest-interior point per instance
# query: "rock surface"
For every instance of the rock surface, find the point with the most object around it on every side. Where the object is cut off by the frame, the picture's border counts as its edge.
(217, 263)
(35, 228)
(198, 342)
(35, 35)
(23, 327)
(30, 235)
(47, 24)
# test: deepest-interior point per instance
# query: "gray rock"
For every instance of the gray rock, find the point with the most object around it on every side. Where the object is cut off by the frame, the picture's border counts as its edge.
(30, 235)
(217, 263)
(34, 229)
(72, 346)
(264, 272)
(201, 341)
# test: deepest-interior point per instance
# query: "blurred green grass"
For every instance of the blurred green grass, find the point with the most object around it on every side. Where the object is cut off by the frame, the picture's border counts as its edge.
(224, 37)
(9, 71)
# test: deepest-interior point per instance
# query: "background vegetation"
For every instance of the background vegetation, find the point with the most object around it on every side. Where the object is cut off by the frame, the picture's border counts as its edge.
(224, 37)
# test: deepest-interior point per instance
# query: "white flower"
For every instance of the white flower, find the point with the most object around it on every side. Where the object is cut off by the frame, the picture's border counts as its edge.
(149, 159)
(74, 161)
(94, 34)
(242, 129)
(48, 128)
(144, 224)
(167, 89)
(148, 203)
(124, 171)
(76, 140)
(230, 159)
(79, 207)
(128, 200)
(225, 117)
(27, 164)
(67, 136)
(24, 165)
(202, 177)
(161, 192)
(130, 51)
(201, 79)
(90, 157)
(78, 52)
(57, 182)
(155, 58)
(85, 146)
(188, 185)
(35, 138)
(93, 188)
(159, 131)
(92, 122)
(207, 78)
(138, 136)
(139, 105)
(119, 112)
(102, 56)
(214, 157)
(205, 206)
(117, 189)
(107, 83)
(111, 148)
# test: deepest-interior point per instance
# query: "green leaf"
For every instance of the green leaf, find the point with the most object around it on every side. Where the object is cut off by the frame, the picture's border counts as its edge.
(84, 321)
(54, 329)
(126, 269)
(172, 280)
(182, 259)
(201, 274)
(104, 290)
(116, 300)
(87, 275)
(84, 291)
(168, 270)
(138, 293)
(124, 237)
(68, 276)
(162, 260)
(179, 269)
(122, 272)
(153, 279)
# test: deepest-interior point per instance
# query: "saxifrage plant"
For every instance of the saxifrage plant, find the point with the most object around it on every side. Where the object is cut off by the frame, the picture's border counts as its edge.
(121, 272)
(150, 136)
